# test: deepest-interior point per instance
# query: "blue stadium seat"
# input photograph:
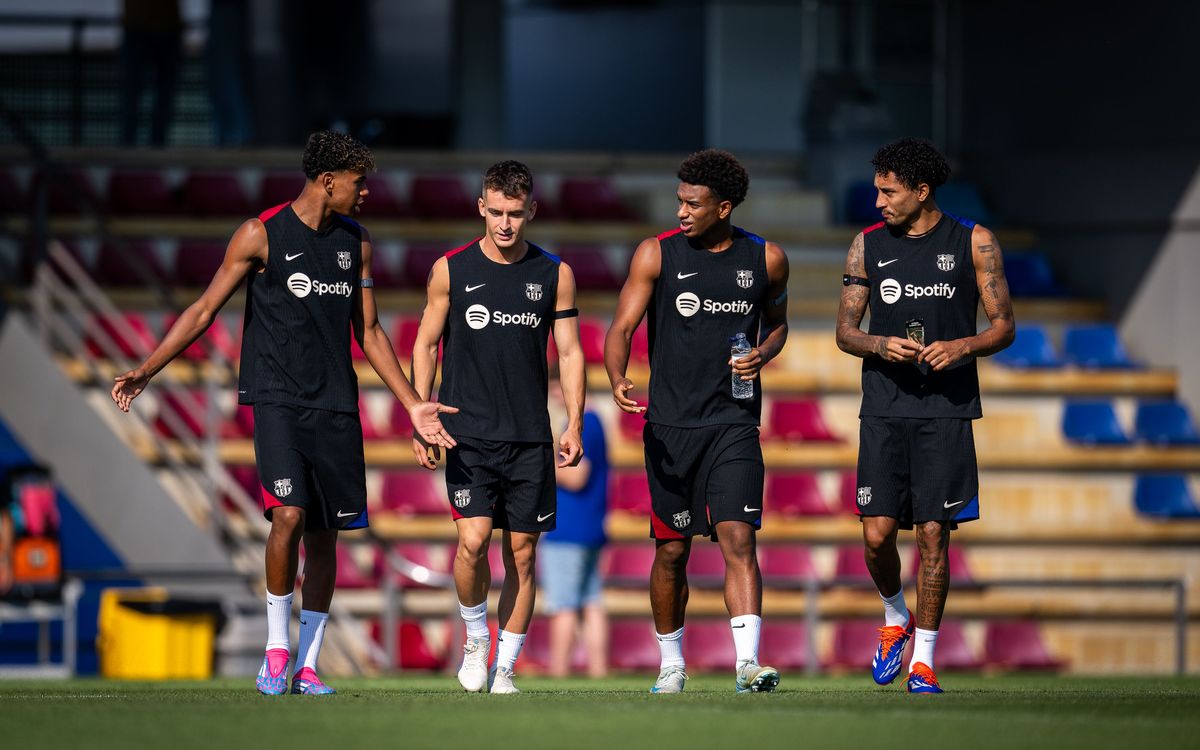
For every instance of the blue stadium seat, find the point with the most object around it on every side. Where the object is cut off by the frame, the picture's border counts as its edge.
(1165, 423)
(1029, 275)
(963, 199)
(860, 203)
(1030, 349)
(1092, 423)
(1164, 496)
(1096, 346)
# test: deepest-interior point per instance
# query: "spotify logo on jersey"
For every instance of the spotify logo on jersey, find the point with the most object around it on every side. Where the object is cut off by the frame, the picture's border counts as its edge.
(300, 284)
(477, 316)
(687, 304)
(889, 290)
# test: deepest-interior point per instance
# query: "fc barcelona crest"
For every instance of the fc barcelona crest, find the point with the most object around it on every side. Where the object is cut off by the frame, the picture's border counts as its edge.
(344, 260)
(946, 262)
(283, 487)
(533, 291)
(682, 520)
(462, 498)
(745, 279)
(864, 496)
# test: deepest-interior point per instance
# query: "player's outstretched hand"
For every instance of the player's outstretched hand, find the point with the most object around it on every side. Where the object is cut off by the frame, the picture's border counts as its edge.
(942, 354)
(570, 449)
(749, 365)
(896, 349)
(427, 455)
(620, 395)
(424, 417)
(127, 387)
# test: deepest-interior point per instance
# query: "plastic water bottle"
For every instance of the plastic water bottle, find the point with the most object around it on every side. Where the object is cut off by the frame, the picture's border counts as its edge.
(739, 346)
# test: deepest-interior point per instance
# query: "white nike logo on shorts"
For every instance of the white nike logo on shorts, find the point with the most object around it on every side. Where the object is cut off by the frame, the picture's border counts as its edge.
(543, 518)
(949, 504)
(342, 514)
(748, 509)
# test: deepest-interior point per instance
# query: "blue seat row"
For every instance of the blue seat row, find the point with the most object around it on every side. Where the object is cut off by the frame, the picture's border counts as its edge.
(1091, 346)
(1094, 422)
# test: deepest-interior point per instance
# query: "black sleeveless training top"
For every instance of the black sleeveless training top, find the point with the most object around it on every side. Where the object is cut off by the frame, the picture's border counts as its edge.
(931, 278)
(700, 300)
(494, 345)
(296, 333)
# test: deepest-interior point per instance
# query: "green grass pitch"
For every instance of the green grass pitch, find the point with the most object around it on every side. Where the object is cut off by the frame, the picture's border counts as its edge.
(617, 714)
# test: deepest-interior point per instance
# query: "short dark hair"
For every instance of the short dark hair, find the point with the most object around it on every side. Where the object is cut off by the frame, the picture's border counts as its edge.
(512, 178)
(913, 161)
(718, 171)
(331, 151)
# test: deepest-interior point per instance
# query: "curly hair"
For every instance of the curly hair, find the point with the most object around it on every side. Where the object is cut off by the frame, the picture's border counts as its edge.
(913, 161)
(331, 151)
(512, 178)
(718, 171)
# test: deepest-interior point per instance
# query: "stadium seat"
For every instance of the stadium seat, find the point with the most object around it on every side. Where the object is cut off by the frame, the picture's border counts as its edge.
(129, 331)
(706, 564)
(139, 193)
(400, 426)
(591, 340)
(708, 646)
(1095, 346)
(215, 194)
(1165, 423)
(279, 187)
(848, 492)
(629, 491)
(795, 493)
(953, 651)
(632, 425)
(218, 337)
(69, 192)
(369, 429)
(1165, 496)
(962, 198)
(798, 419)
(783, 644)
(129, 263)
(851, 566)
(786, 564)
(413, 492)
(418, 260)
(1030, 349)
(628, 564)
(350, 573)
(1092, 423)
(632, 646)
(196, 261)
(382, 201)
(854, 643)
(413, 650)
(1016, 644)
(442, 197)
(590, 265)
(1029, 275)
(385, 267)
(593, 199)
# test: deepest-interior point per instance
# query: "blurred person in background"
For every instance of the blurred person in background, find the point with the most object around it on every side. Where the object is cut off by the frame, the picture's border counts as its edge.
(569, 557)
(151, 45)
(307, 265)
(923, 273)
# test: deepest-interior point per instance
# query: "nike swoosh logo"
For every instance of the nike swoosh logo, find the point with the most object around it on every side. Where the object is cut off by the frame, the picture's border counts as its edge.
(949, 504)
(543, 518)
(748, 509)
(292, 257)
(345, 515)
(881, 263)
(738, 626)
(681, 276)
(473, 288)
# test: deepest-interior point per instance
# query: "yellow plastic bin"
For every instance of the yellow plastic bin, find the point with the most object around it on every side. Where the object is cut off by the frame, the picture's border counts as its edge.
(144, 634)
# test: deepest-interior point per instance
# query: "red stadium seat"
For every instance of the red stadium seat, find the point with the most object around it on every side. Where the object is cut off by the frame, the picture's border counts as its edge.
(442, 197)
(418, 260)
(632, 645)
(632, 425)
(215, 194)
(404, 336)
(629, 491)
(593, 199)
(218, 338)
(413, 492)
(69, 192)
(279, 187)
(799, 419)
(400, 425)
(848, 492)
(139, 193)
(953, 651)
(783, 644)
(708, 646)
(795, 493)
(591, 340)
(854, 644)
(413, 650)
(197, 261)
(369, 429)
(382, 201)
(851, 566)
(706, 564)
(591, 268)
(350, 574)
(385, 268)
(787, 563)
(628, 564)
(129, 332)
(129, 263)
(1016, 644)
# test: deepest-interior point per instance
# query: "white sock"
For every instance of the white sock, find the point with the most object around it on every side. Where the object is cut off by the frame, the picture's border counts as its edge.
(476, 619)
(312, 633)
(508, 648)
(923, 643)
(745, 637)
(670, 645)
(279, 616)
(895, 611)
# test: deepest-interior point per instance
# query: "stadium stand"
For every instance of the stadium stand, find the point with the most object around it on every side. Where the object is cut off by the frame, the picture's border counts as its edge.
(1095, 346)
(215, 194)
(413, 492)
(795, 493)
(196, 261)
(593, 199)
(629, 491)
(1017, 644)
(139, 193)
(1030, 349)
(1164, 423)
(1029, 275)
(1092, 423)
(442, 197)
(1165, 496)
(632, 646)
(784, 644)
(798, 419)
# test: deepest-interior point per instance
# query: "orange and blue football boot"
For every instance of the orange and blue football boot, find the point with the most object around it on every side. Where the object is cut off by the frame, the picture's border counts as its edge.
(885, 667)
(922, 680)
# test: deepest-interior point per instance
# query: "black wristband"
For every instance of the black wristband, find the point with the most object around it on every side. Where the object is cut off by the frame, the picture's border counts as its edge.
(848, 280)
(572, 313)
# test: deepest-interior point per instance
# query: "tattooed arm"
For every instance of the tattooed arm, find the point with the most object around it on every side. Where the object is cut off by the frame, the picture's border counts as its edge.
(850, 337)
(993, 292)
